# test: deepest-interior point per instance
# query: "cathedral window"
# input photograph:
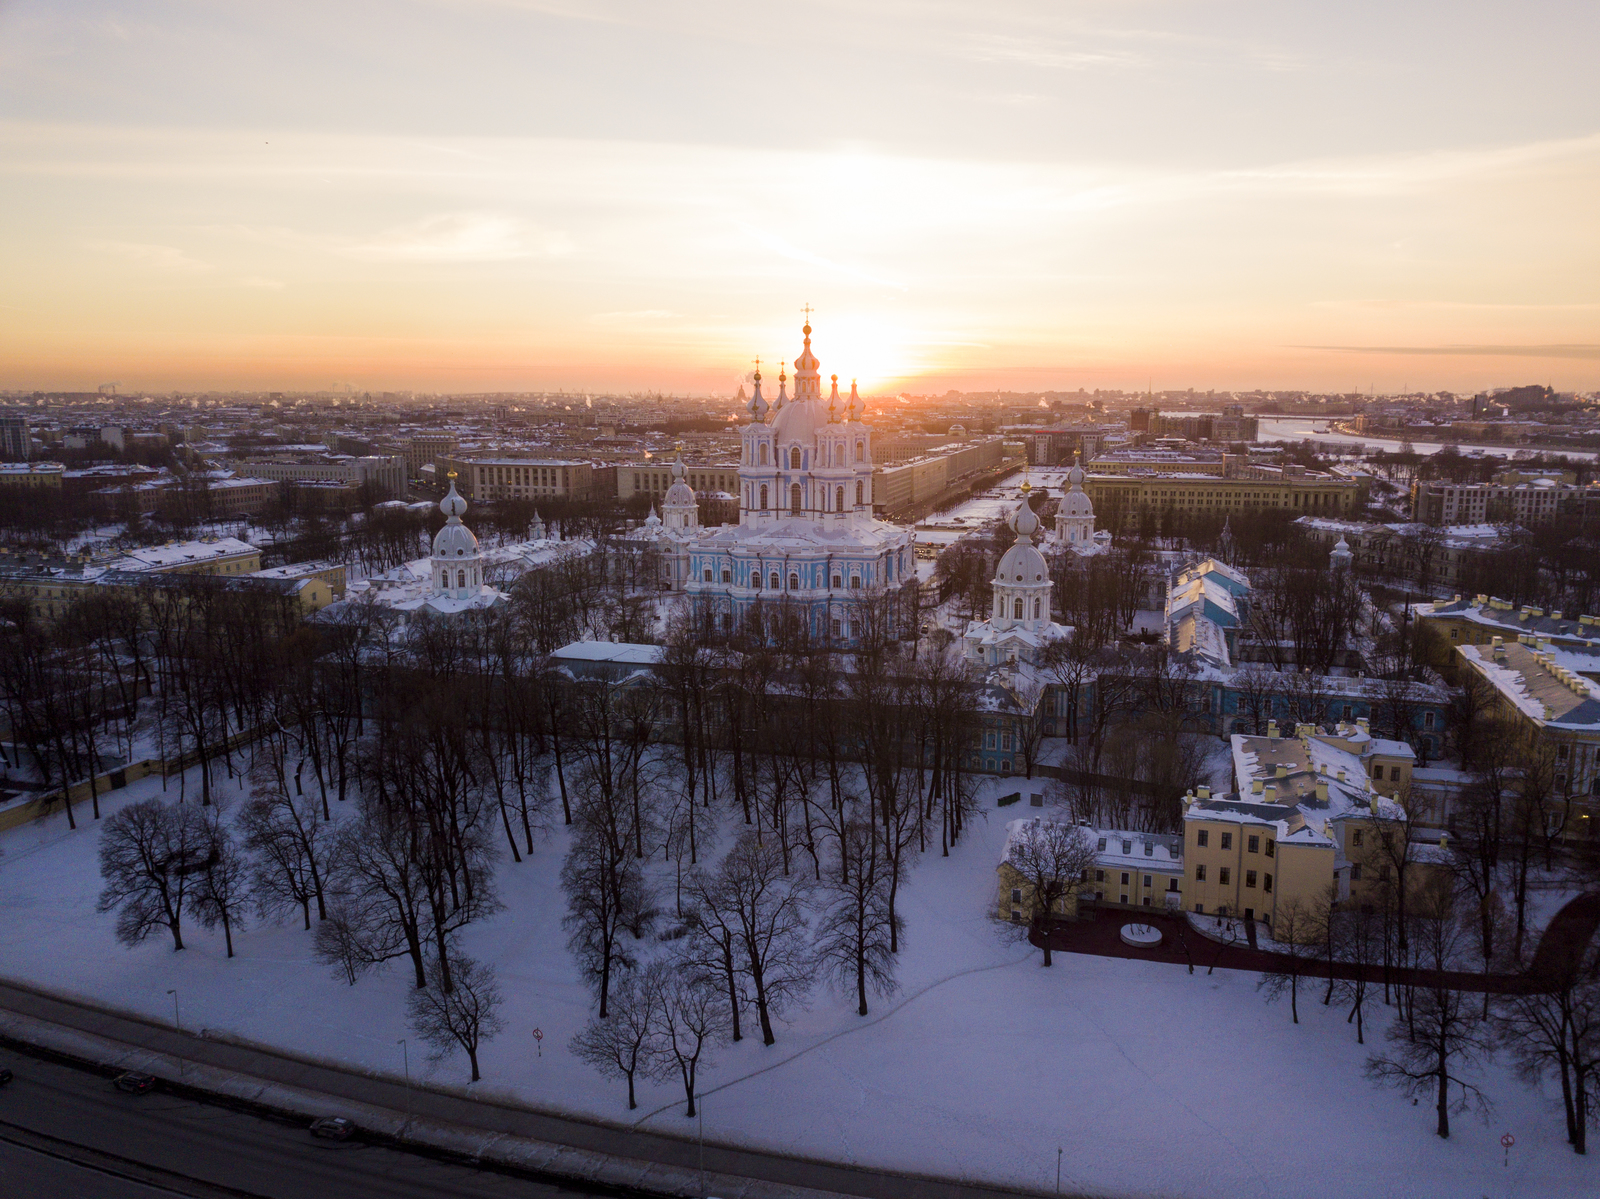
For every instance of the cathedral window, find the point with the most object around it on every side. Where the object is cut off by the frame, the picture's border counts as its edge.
(755, 580)
(774, 580)
(861, 451)
(1036, 609)
(763, 453)
(836, 628)
(794, 458)
(838, 583)
(839, 496)
(727, 577)
(794, 497)
(794, 581)
(763, 497)
(1016, 609)
(855, 581)
(859, 493)
(461, 578)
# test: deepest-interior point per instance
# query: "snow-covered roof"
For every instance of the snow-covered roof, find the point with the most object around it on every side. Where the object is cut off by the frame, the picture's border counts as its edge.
(1529, 679)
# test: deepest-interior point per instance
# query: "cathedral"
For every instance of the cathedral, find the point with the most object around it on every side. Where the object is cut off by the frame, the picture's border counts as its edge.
(806, 536)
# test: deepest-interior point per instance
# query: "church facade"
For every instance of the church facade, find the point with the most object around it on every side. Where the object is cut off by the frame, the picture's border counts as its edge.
(806, 536)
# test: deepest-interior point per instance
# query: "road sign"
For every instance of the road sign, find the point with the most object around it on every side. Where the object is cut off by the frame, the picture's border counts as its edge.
(1507, 1141)
(538, 1041)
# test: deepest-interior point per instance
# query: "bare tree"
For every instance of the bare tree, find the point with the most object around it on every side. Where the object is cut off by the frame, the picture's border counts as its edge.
(150, 855)
(465, 1016)
(1052, 859)
(1295, 928)
(1556, 1030)
(689, 1019)
(619, 1044)
(289, 847)
(607, 898)
(853, 937)
(1446, 1032)
(222, 886)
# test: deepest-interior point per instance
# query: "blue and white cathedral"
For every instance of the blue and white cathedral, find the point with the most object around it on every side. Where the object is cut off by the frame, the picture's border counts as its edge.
(806, 535)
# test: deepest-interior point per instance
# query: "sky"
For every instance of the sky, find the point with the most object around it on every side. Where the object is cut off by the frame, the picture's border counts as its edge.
(508, 195)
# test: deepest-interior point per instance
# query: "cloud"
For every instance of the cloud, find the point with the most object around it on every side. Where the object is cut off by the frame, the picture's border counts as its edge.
(458, 237)
(794, 253)
(1571, 350)
(168, 260)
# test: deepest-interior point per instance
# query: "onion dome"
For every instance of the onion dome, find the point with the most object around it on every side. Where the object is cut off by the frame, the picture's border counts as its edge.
(782, 393)
(758, 407)
(455, 540)
(680, 494)
(858, 406)
(652, 521)
(1023, 563)
(833, 402)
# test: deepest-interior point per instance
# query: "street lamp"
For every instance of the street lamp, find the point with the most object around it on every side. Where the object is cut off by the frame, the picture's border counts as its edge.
(405, 1061)
(175, 1022)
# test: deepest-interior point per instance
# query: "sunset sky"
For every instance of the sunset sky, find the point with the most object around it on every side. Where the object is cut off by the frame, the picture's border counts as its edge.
(536, 194)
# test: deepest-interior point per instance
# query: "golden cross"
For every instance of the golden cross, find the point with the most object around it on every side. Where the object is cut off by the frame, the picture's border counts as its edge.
(808, 310)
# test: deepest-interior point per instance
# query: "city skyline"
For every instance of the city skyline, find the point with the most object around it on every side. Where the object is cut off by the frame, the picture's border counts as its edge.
(534, 196)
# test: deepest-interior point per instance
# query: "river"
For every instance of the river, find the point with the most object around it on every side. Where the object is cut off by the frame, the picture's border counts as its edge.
(1317, 428)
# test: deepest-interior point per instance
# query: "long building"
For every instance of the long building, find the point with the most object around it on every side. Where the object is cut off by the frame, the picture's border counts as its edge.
(655, 477)
(1120, 498)
(516, 478)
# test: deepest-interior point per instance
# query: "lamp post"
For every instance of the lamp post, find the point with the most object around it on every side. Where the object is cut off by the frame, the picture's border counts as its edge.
(1058, 1171)
(700, 1113)
(175, 1021)
(405, 1061)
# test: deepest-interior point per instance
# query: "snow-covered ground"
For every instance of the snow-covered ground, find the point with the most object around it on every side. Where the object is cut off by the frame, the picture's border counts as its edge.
(1152, 1081)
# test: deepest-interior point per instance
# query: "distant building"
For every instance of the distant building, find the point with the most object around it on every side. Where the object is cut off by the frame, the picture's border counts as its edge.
(16, 439)
(486, 479)
(1514, 498)
(32, 476)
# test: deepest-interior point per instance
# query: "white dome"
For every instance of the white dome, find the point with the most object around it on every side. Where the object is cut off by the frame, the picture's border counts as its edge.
(1024, 522)
(679, 495)
(1075, 504)
(455, 540)
(1076, 475)
(798, 422)
(1021, 565)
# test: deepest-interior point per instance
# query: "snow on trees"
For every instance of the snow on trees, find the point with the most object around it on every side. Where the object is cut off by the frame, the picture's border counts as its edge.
(853, 938)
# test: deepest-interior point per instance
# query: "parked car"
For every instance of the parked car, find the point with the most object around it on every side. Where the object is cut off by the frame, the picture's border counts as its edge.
(134, 1083)
(334, 1128)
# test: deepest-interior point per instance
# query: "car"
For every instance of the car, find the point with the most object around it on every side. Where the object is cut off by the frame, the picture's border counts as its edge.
(133, 1082)
(333, 1128)
(5, 1075)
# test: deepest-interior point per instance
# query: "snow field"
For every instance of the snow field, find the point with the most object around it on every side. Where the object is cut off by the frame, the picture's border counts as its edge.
(1153, 1082)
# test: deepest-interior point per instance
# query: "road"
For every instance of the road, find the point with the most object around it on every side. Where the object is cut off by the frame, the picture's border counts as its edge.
(67, 1133)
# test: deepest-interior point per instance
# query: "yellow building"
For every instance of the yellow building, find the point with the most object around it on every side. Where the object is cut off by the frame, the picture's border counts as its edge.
(50, 584)
(32, 476)
(1481, 619)
(1303, 493)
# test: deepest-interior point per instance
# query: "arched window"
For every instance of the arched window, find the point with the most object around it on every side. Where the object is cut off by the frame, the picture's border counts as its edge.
(839, 496)
(859, 493)
(794, 497)
(1016, 609)
(794, 581)
(461, 578)
(774, 580)
(755, 580)
(861, 451)
(763, 497)
(794, 458)
(727, 577)
(838, 582)
(763, 453)
(1036, 609)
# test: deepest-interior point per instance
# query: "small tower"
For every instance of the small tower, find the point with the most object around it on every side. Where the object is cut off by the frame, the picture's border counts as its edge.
(457, 568)
(1340, 557)
(536, 530)
(1075, 516)
(1022, 581)
(679, 508)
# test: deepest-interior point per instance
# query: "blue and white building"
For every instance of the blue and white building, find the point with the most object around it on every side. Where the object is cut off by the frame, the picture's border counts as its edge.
(806, 535)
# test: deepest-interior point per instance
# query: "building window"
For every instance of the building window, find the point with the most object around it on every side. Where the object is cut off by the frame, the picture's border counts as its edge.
(1249, 878)
(1394, 774)
(1348, 712)
(1202, 838)
(1252, 844)
(838, 583)
(775, 583)
(859, 493)
(755, 580)
(855, 581)
(1147, 880)
(1127, 847)
(988, 742)
(461, 578)
(1005, 740)
(1016, 916)
(708, 574)
(763, 454)
(1223, 874)
(1200, 873)
(836, 629)
(1355, 873)
(861, 456)
(1427, 720)
(838, 493)
(1172, 884)
(794, 581)
(1227, 840)
(1377, 771)
(1271, 845)
(1099, 876)
(794, 498)
(1016, 894)
(1124, 883)
(1355, 836)
(1266, 882)
(1199, 909)
(763, 497)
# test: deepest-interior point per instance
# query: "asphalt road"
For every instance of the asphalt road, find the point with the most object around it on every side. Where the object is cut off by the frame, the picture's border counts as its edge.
(67, 1133)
